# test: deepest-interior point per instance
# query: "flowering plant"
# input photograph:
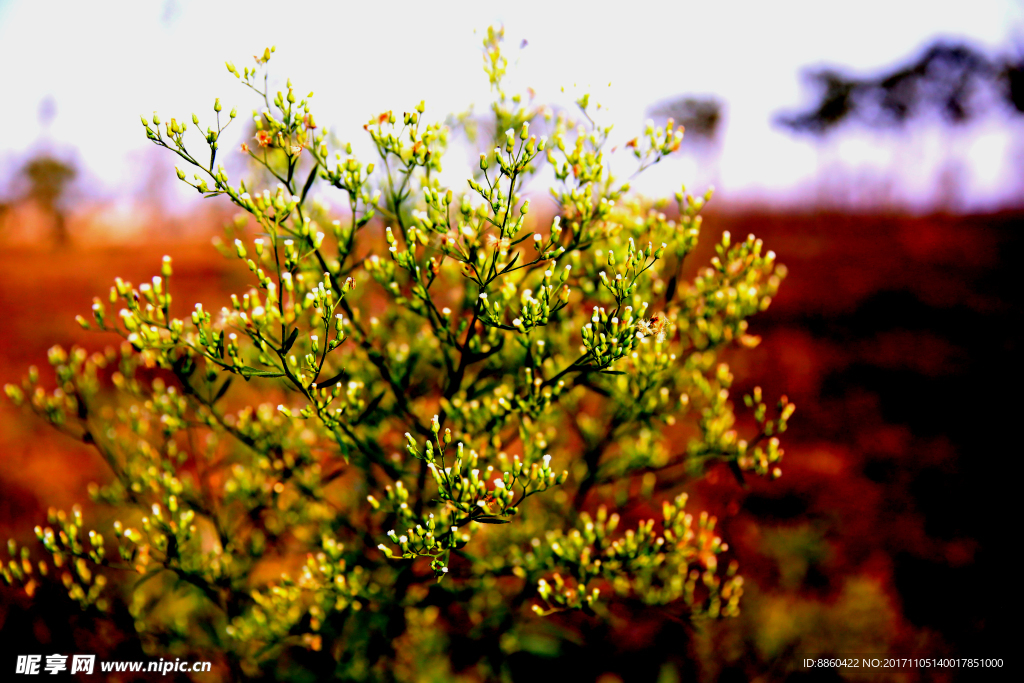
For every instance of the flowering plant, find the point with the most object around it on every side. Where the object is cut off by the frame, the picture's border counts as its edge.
(456, 414)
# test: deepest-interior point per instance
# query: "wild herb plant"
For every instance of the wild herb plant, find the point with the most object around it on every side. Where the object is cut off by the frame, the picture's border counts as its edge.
(456, 412)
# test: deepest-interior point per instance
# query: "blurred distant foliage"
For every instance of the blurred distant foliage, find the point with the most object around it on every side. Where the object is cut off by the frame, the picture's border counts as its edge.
(954, 80)
(434, 425)
(777, 628)
(797, 550)
(48, 178)
(701, 117)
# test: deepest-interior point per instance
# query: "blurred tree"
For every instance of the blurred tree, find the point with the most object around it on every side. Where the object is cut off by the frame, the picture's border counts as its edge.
(948, 78)
(48, 178)
(951, 82)
(1013, 78)
(700, 116)
(44, 177)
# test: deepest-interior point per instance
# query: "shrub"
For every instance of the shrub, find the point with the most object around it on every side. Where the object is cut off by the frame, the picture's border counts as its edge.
(456, 415)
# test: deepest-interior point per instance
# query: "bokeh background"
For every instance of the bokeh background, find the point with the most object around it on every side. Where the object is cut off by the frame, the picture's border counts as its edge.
(877, 147)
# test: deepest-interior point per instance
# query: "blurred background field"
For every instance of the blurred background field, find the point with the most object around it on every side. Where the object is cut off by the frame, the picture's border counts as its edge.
(896, 207)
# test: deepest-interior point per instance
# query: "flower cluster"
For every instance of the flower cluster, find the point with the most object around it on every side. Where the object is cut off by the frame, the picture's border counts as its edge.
(678, 563)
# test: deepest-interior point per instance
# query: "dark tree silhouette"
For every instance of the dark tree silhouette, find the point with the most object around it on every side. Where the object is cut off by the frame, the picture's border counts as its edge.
(701, 116)
(48, 177)
(947, 78)
(1013, 77)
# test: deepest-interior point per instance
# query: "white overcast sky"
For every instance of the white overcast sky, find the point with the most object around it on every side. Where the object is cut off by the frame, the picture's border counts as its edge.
(104, 63)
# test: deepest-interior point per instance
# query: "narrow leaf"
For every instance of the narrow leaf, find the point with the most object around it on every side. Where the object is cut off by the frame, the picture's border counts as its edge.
(340, 377)
(223, 390)
(290, 341)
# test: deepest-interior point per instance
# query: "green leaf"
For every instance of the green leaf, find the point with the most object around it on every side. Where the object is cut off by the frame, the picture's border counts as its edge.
(247, 372)
(290, 341)
(223, 390)
(491, 519)
(512, 262)
(340, 377)
(309, 183)
(370, 408)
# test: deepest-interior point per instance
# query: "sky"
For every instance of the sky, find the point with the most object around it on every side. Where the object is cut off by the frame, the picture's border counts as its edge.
(104, 63)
